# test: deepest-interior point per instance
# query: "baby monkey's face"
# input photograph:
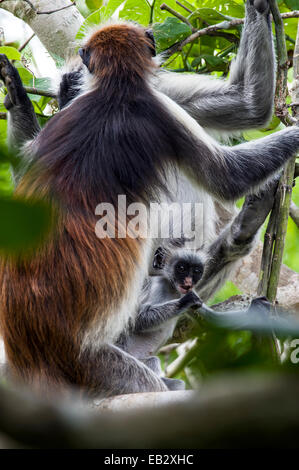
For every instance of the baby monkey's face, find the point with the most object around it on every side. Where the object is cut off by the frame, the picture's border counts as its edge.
(187, 275)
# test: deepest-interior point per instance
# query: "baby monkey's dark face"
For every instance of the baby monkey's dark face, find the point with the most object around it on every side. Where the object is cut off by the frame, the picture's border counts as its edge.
(187, 275)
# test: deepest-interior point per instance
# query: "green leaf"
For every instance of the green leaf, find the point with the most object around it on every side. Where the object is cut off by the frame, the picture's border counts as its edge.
(112, 6)
(136, 10)
(91, 20)
(212, 62)
(11, 52)
(209, 15)
(25, 75)
(6, 181)
(98, 16)
(292, 4)
(43, 84)
(59, 61)
(170, 32)
(94, 4)
(228, 7)
(24, 225)
(160, 15)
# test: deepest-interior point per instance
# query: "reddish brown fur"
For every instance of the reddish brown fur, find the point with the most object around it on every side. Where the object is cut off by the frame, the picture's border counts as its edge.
(71, 282)
(120, 49)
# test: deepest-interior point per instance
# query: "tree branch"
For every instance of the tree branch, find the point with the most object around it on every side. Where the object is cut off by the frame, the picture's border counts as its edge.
(177, 15)
(37, 91)
(211, 30)
(37, 12)
(57, 32)
(229, 412)
(22, 47)
(284, 193)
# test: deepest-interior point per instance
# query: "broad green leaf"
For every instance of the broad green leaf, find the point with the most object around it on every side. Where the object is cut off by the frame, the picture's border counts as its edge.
(25, 75)
(94, 4)
(91, 20)
(258, 134)
(292, 4)
(59, 61)
(3, 133)
(11, 52)
(170, 32)
(160, 15)
(24, 225)
(213, 62)
(98, 16)
(112, 6)
(209, 15)
(136, 10)
(82, 7)
(6, 182)
(41, 83)
(228, 7)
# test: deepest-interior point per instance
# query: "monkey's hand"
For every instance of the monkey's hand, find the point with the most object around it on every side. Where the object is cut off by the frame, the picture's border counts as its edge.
(16, 93)
(190, 300)
(260, 305)
(254, 212)
(262, 6)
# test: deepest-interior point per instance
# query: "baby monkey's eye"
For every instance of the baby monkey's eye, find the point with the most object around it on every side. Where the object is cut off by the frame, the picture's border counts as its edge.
(197, 269)
(181, 268)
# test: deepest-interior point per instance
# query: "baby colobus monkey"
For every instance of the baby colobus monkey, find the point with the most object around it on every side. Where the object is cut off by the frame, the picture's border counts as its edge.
(164, 298)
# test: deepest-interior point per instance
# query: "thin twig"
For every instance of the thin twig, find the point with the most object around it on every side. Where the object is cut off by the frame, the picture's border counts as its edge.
(182, 360)
(202, 32)
(266, 260)
(43, 12)
(36, 91)
(211, 30)
(183, 6)
(26, 42)
(177, 15)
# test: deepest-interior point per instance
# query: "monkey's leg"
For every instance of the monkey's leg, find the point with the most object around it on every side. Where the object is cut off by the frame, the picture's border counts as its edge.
(246, 99)
(237, 240)
(153, 362)
(111, 371)
(151, 316)
(22, 122)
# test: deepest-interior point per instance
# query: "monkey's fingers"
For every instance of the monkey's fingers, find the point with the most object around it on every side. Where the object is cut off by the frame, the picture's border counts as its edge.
(12, 80)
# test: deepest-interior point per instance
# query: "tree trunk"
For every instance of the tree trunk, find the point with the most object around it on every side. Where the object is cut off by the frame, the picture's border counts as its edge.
(57, 30)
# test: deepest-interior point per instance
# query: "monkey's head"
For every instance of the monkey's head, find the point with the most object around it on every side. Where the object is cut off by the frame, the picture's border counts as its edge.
(124, 49)
(183, 269)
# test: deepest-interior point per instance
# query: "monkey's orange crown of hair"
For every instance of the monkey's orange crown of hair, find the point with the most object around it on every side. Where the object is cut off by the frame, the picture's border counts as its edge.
(120, 48)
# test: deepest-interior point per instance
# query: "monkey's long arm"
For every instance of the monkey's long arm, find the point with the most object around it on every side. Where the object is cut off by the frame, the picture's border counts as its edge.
(225, 172)
(246, 99)
(153, 315)
(236, 240)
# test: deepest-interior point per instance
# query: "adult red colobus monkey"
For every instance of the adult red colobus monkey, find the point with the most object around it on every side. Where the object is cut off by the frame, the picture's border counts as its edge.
(63, 310)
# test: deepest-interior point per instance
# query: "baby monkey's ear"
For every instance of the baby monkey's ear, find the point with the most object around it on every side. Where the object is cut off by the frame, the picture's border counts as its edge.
(159, 258)
(150, 35)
